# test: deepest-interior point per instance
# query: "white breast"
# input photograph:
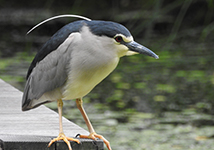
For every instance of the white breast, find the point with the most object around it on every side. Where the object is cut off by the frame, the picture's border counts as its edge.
(80, 83)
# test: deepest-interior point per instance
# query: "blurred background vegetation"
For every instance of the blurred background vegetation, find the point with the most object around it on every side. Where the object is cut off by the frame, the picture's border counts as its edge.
(181, 32)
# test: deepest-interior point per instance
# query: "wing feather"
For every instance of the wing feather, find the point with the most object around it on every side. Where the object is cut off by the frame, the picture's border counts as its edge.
(48, 75)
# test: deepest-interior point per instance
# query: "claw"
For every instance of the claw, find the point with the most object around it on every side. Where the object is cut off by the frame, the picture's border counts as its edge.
(94, 135)
(65, 139)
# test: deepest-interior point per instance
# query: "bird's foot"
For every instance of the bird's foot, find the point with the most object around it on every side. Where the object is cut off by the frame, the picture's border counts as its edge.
(93, 136)
(65, 139)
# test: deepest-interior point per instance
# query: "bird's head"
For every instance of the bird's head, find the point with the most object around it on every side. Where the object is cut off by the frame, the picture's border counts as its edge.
(120, 38)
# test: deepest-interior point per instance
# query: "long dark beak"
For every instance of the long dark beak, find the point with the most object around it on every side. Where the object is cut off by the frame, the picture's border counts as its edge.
(136, 47)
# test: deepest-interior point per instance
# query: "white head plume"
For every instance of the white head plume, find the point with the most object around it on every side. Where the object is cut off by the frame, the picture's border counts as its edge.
(55, 17)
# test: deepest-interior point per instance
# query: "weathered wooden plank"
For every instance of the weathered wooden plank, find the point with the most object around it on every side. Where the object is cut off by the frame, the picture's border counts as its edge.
(22, 142)
(34, 129)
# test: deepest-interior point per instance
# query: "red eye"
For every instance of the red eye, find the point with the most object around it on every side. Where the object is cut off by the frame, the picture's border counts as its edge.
(118, 38)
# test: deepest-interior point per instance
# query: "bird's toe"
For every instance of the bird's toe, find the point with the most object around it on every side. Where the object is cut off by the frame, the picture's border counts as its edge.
(65, 139)
(93, 136)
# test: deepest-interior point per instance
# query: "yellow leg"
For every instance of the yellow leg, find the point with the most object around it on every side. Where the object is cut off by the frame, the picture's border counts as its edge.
(61, 135)
(93, 135)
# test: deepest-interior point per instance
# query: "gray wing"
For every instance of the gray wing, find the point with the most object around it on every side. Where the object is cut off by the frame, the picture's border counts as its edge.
(48, 74)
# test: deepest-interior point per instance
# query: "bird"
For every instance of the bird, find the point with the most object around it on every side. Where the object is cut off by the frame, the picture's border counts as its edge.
(72, 62)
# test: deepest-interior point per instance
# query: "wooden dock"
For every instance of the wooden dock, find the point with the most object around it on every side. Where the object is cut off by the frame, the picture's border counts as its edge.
(33, 130)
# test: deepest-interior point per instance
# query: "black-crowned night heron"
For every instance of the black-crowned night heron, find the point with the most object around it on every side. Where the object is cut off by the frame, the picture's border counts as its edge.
(73, 62)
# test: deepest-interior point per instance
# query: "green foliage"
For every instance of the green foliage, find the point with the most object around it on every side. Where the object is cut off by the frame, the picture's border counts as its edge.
(141, 85)
(165, 88)
(5, 63)
(160, 98)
